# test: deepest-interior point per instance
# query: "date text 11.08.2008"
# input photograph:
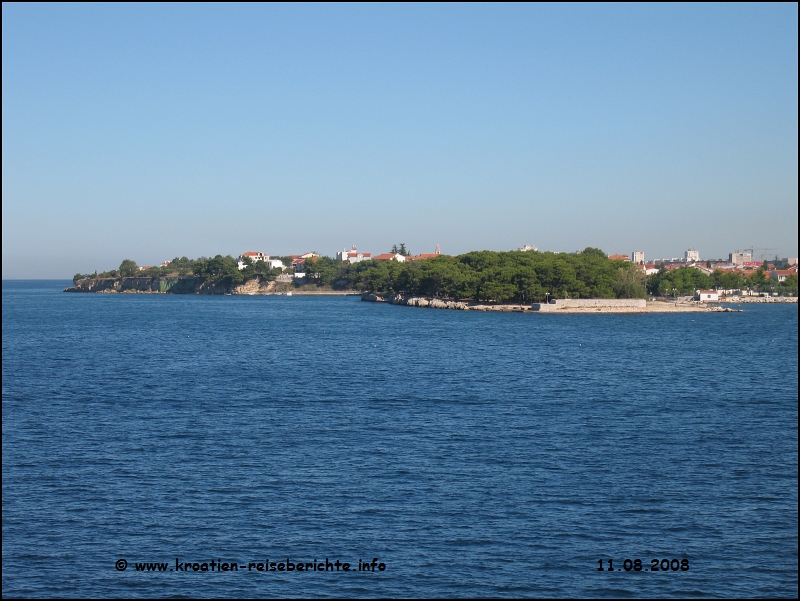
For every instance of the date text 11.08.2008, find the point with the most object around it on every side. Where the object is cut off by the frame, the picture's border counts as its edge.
(656, 565)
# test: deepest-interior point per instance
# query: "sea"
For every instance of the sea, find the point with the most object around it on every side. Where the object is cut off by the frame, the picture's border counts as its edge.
(252, 446)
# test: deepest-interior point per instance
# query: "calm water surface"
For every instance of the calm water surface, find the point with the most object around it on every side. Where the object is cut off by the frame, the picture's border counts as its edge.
(474, 454)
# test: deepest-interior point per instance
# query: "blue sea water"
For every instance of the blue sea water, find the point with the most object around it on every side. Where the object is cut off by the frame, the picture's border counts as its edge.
(472, 454)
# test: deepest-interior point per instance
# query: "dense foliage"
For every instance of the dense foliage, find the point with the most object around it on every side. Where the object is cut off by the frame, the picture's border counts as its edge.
(128, 268)
(481, 276)
(500, 276)
(685, 280)
(219, 269)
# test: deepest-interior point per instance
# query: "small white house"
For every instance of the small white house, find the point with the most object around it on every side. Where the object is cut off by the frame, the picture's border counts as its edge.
(705, 296)
(253, 256)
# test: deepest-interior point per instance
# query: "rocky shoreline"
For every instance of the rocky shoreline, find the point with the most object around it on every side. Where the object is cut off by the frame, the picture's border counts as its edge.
(171, 285)
(735, 300)
(259, 286)
(649, 306)
(437, 303)
(194, 285)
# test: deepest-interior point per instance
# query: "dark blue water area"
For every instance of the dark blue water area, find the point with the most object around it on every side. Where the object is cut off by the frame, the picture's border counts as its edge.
(473, 454)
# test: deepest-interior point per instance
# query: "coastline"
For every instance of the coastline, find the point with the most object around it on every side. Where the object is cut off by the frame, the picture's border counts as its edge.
(649, 306)
(325, 293)
(195, 285)
(262, 287)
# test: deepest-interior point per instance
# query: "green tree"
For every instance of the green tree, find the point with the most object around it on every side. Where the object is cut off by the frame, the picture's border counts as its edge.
(220, 270)
(127, 268)
(789, 285)
(323, 270)
(758, 281)
(630, 283)
(594, 252)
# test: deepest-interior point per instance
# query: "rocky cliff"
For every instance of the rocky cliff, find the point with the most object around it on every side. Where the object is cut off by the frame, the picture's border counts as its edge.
(172, 285)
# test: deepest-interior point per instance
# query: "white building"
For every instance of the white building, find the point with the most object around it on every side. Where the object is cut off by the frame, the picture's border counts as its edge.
(637, 257)
(739, 257)
(255, 257)
(705, 296)
(353, 255)
(692, 255)
(525, 248)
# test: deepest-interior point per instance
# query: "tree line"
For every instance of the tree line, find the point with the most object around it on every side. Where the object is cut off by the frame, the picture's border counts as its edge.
(685, 280)
(219, 269)
(490, 276)
(480, 275)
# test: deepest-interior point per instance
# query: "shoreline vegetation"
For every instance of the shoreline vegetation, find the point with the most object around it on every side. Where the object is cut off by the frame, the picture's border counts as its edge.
(479, 280)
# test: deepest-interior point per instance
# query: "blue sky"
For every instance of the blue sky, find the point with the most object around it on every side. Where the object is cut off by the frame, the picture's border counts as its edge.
(154, 131)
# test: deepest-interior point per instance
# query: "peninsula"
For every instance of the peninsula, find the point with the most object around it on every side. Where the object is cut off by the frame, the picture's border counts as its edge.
(525, 280)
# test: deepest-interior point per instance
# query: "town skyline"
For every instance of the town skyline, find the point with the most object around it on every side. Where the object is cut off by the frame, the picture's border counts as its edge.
(737, 260)
(150, 130)
(749, 257)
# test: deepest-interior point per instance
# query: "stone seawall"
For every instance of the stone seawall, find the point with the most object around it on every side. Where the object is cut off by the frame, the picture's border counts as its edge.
(626, 304)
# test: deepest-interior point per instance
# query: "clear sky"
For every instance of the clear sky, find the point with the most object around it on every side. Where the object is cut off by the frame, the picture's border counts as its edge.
(154, 131)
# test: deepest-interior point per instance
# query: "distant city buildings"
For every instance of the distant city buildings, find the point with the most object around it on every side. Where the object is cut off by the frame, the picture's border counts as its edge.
(740, 261)
(353, 255)
(739, 257)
